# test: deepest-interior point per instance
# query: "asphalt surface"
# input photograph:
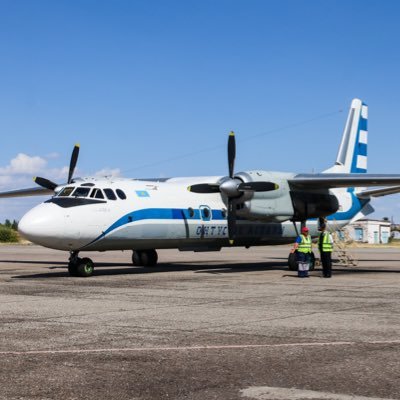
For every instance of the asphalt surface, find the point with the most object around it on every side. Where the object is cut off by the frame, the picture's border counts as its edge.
(234, 324)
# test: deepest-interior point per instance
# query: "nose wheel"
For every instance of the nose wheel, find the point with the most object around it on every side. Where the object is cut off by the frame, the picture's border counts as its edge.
(82, 267)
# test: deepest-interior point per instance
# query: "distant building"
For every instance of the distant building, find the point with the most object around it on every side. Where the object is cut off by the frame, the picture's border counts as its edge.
(371, 231)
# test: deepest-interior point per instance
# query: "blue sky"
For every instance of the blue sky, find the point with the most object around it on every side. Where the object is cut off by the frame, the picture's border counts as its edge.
(152, 88)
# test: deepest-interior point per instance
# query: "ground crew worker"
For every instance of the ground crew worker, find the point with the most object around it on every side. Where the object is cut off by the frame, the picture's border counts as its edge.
(303, 248)
(325, 246)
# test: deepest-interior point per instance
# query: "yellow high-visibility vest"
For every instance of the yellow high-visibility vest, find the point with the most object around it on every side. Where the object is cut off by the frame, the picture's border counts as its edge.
(324, 238)
(305, 244)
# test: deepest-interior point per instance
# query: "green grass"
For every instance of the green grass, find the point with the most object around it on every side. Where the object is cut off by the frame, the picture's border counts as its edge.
(8, 235)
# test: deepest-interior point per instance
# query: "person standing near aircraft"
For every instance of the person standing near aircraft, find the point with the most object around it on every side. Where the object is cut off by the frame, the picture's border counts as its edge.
(303, 247)
(325, 246)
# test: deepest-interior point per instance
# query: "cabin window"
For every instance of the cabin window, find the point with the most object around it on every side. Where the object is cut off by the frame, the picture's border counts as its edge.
(110, 194)
(205, 213)
(97, 194)
(66, 191)
(81, 192)
(191, 212)
(121, 194)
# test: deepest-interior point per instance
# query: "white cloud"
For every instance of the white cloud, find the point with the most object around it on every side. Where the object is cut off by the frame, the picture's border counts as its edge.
(53, 155)
(108, 172)
(5, 180)
(59, 174)
(22, 168)
(24, 164)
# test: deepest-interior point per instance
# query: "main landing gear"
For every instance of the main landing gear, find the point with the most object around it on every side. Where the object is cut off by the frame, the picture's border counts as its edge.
(144, 258)
(77, 266)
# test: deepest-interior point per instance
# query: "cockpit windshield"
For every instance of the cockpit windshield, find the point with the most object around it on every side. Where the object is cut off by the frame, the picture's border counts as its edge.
(81, 192)
(97, 194)
(66, 191)
(93, 193)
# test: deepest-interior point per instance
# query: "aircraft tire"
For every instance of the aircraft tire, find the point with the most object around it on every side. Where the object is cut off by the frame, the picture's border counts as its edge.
(85, 267)
(137, 258)
(149, 258)
(73, 268)
(145, 258)
(292, 262)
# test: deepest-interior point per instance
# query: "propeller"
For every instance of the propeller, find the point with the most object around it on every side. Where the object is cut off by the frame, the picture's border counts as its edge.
(47, 184)
(232, 187)
(72, 163)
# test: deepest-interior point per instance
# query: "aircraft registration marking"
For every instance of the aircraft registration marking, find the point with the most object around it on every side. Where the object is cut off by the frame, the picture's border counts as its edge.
(212, 230)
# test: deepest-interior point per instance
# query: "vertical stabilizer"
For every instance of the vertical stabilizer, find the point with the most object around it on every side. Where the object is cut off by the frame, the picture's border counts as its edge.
(352, 155)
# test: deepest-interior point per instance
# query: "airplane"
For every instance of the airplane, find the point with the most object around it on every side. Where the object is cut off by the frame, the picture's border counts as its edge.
(204, 213)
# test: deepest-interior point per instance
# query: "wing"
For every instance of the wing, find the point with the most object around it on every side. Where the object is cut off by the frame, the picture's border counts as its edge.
(36, 191)
(330, 181)
(379, 192)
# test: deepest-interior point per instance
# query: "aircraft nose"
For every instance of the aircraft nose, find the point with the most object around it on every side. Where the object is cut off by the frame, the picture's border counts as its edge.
(43, 225)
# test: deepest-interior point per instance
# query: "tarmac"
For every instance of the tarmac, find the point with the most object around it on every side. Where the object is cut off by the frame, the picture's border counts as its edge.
(234, 324)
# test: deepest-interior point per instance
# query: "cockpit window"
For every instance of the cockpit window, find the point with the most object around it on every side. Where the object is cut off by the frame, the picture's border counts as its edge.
(110, 194)
(81, 192)
(97, 194)
(66, 191)
(121, 194)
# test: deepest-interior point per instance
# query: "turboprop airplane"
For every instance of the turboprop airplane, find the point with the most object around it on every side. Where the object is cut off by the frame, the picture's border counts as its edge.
(248, 208)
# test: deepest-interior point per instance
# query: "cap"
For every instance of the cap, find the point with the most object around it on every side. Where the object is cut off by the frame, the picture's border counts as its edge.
(304, 229)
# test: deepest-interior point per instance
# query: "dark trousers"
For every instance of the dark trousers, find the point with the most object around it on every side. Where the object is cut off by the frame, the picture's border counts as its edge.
(326, 260)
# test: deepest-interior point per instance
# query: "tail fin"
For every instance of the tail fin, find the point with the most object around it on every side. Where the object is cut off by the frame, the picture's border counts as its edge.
(352, 155)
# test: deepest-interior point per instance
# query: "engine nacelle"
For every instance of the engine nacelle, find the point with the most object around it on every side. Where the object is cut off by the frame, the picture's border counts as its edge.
(273, 206)
(313, 204)
(283, 203)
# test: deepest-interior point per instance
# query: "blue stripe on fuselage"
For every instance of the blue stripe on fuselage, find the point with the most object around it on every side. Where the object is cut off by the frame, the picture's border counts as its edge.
(159, 213)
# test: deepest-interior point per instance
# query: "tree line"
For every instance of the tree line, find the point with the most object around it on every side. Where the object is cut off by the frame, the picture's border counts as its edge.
(8, 231)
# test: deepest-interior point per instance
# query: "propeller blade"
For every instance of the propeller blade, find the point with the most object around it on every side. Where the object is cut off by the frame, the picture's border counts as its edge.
(258, 186)
(231, 153)
(231, 220)
(72, 164)
(43, 182)
(204, 188)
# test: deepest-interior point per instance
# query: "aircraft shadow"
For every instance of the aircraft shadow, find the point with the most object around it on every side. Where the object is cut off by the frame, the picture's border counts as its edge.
(33, 262)
(115, 269)
(107, 269)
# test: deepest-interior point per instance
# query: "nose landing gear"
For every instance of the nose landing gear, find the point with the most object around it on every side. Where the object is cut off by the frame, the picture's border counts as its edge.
(77, 266)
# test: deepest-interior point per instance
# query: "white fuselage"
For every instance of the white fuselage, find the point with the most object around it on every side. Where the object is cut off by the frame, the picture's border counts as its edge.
(153, 215)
